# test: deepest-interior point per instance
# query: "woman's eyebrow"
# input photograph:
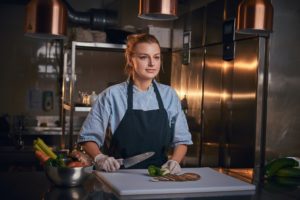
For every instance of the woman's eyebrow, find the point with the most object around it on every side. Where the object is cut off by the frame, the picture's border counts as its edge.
(145, 54)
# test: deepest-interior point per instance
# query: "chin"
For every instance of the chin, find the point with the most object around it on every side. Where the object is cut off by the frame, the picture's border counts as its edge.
(148, 75)
(152, 76)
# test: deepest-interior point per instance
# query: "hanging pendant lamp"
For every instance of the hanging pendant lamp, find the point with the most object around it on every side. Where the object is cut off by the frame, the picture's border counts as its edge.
(255, 17)
(158, 9)
(46, 19)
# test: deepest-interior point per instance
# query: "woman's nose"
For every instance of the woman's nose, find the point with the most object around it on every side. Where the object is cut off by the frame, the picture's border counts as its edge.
(150, 62)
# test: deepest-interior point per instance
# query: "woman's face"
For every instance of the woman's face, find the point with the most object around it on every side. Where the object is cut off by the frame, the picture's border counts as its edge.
(146, 61)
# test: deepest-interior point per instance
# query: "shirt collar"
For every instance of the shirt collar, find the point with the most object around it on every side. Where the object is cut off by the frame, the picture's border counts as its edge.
(135, 89)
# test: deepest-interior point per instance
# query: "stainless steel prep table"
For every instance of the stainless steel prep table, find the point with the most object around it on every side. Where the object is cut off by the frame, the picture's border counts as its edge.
(34, 185)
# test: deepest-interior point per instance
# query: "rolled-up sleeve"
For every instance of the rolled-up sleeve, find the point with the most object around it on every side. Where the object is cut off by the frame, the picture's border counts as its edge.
(179, 124)
(95, 124)
(181, 131)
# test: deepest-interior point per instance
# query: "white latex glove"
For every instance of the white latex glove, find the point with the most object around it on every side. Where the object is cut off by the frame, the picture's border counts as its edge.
(173, 166)
(106, 163)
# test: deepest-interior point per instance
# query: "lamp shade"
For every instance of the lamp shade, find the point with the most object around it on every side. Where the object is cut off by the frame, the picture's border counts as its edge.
(46, 19)
(158, 9)
(255, 17)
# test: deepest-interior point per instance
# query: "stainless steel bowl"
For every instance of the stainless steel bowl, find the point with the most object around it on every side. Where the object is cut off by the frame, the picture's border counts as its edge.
(69, 177)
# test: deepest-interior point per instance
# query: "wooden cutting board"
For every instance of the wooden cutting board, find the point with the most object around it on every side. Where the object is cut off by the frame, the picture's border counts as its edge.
(137, 183)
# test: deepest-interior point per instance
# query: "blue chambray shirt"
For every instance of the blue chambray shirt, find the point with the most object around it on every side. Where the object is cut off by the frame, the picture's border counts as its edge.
(111, 105)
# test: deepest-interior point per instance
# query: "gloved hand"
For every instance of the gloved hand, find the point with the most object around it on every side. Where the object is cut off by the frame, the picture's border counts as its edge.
(106, 163)
(173, 166)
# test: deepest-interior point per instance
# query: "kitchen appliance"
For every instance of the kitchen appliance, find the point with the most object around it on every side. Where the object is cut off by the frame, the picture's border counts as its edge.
(219, 84)
(211, 183)
(128, 162)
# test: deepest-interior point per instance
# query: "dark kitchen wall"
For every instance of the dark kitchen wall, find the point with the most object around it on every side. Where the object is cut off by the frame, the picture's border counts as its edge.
(19, 63)
(30, 67)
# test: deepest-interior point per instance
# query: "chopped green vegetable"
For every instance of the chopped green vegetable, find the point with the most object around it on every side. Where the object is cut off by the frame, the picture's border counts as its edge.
(40, 144)
(156, 171)
(165, 171)
(55, 162)
(152, 170)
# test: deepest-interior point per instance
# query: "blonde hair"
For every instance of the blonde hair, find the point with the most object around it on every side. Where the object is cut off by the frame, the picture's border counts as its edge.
(132, 41)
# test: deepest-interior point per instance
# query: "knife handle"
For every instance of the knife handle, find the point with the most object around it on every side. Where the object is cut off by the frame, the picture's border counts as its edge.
(120, 161)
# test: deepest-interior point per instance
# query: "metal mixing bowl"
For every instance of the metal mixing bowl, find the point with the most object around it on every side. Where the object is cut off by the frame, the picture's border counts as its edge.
(69, 177)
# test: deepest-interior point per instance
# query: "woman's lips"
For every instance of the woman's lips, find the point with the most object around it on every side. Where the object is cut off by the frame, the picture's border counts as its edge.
(151, 70)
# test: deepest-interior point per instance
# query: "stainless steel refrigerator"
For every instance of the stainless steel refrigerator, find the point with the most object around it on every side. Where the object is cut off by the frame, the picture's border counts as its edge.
(219, 96)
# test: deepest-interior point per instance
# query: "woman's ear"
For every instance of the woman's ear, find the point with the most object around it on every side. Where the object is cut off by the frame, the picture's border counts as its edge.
(130, 63)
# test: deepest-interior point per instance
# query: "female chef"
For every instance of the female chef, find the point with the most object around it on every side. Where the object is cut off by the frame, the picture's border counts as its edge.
(142, 114)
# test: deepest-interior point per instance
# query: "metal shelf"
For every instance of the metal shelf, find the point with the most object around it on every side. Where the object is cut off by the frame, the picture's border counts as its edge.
(77, 108)
(98, 45)
(66, 106)
(82, 109)
(70, 104)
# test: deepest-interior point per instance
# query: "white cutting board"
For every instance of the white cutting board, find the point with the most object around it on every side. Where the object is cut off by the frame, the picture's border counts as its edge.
(137, 182)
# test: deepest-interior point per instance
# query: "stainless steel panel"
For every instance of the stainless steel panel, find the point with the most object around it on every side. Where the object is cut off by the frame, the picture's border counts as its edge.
(283, 127)
(197, 27)
(176, 71)
(182, 24)
(242, 104)
(260, 135)
(187, 81)
(192, 21)
(177, 36)
(194, 87)
(214, 22)
(193, 95)
(229, 106)
(212, 100)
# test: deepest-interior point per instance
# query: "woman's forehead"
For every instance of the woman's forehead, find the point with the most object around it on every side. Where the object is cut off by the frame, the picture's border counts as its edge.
(145, 47)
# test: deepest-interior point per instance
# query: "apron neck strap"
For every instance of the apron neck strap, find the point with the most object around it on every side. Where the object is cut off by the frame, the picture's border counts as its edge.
(130, 95)
(158, 97)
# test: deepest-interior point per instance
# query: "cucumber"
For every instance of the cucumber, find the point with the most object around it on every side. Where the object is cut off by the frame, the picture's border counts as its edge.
(272, 167)
(289, 172)
(290, 182)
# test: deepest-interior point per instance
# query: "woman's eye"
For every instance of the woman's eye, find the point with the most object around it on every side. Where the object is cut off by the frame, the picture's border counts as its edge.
(157, 57)
(143, 57)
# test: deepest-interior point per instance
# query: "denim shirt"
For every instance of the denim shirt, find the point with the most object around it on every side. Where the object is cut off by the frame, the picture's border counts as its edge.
(111, 105)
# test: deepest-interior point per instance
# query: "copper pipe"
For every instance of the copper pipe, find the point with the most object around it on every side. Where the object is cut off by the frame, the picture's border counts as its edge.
(255, 16)
(46, 19)
(158, 9)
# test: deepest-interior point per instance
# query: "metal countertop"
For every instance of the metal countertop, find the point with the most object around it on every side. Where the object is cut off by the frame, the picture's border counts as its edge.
(35, 185)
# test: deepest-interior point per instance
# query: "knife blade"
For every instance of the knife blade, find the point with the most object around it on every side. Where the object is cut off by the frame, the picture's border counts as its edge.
(128, 162)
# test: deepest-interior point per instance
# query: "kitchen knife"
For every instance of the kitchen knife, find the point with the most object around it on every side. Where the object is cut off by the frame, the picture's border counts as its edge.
(128, 162)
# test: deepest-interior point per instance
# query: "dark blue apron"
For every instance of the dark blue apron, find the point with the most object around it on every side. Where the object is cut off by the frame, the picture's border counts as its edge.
(142, 131)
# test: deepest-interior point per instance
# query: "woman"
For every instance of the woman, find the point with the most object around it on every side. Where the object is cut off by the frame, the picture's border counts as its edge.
(143, 115)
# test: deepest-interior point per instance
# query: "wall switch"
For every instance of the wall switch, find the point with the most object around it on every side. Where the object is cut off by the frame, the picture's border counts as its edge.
(186, 51)
(228, 39)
